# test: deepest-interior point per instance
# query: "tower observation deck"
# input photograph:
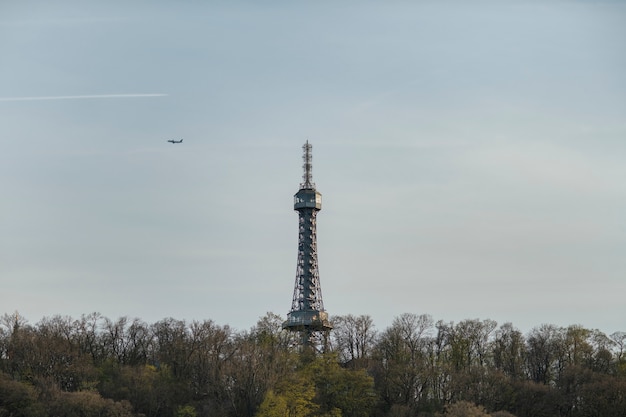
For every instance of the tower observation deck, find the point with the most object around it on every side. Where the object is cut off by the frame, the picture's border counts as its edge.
(307, 315)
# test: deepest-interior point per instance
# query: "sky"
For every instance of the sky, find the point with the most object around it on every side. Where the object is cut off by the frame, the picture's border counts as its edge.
(471, 158)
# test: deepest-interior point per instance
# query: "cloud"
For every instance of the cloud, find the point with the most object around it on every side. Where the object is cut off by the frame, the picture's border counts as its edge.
(81, 97)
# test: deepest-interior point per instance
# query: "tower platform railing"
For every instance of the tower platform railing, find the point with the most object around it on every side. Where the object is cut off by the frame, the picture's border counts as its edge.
(310, 319)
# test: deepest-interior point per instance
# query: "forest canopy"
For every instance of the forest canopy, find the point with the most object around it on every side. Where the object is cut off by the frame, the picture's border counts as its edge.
(96, 366)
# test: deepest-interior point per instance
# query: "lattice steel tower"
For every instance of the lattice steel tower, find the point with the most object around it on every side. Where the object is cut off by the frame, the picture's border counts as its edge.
(307, 315)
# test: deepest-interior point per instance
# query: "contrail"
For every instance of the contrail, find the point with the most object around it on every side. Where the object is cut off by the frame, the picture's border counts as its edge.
(92, 96)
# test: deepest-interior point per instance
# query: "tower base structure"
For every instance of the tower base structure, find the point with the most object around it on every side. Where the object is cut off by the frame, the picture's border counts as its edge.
(313, 327)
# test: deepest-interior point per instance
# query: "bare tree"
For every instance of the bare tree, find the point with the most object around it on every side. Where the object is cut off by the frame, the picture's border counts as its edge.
(353, 337)
(509, 351)
(543, 353)
(403, 365)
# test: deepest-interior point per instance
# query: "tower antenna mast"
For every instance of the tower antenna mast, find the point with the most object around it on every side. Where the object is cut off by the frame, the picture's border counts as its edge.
(307, 177)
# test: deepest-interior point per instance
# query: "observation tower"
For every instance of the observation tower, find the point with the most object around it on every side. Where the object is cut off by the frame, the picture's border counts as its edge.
(307, 315)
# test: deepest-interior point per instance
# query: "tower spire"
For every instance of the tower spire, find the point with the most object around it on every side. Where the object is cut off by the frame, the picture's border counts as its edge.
(307, 315)
(307, 157)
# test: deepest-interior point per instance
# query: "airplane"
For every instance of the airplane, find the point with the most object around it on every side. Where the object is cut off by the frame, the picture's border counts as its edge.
(175, 141)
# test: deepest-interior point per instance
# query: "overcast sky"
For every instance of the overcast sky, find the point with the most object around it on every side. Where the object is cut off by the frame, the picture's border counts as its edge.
(471, 157)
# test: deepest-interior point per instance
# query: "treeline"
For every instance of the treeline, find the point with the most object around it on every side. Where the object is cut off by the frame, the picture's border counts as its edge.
(94, 366)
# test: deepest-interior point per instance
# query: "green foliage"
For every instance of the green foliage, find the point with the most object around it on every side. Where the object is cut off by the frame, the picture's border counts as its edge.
(299, 394)
(94, 366)
(321, 387)
(186, 411)
(147, 388)
(18, 399)
(87, 404)
(294, 398)
(273, 406)
(339, 389)
(465, 409)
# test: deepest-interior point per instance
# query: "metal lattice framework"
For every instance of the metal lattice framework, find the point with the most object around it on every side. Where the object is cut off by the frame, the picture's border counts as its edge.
(307, 178)
(307, 314)
(307, 293)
